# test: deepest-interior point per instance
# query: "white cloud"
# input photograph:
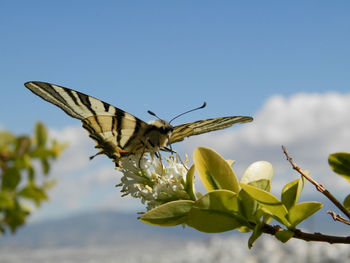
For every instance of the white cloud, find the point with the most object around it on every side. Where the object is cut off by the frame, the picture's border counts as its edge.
(311, 126)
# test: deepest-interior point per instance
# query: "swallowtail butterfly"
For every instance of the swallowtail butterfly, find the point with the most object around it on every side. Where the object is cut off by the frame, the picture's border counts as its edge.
(118, 133)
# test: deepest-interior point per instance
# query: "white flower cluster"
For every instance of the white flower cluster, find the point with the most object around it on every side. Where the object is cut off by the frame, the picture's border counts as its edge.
(147, 178)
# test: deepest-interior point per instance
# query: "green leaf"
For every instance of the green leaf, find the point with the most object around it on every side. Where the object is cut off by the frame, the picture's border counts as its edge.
(189, 187)
(34, 193)
(6, 200)
(15, 217)
(45, 165)
(168, 214)
(22, 145)
(291, 192)
(262, 184)
(284, 235)
(255, 235)
(6, 138)
(40, 134)
(10, 178)
(257, 171)
(247, 205)
(347, 202)
(301, 211)
(214, 171)
(269, 203)
(340, 164)
(215, 212)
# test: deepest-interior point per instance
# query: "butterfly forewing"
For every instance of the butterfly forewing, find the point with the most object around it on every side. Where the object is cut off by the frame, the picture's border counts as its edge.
(198, 127)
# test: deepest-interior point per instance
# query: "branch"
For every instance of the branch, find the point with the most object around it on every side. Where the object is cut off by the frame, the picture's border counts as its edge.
(318, 186)
(338, 217)
(298, 234)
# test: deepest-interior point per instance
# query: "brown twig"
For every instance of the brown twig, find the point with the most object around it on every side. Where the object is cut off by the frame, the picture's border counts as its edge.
(338, 217)
(316, 237)
(318, 186)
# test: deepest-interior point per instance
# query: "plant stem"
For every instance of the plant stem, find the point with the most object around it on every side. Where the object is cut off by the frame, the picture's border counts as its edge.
(316, 237)
(318, 186)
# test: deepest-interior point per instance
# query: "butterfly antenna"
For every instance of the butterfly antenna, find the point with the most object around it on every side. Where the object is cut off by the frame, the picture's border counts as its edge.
(153, 114)
(201, 107)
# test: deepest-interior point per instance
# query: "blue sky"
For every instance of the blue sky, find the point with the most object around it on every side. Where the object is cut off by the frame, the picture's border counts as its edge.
(284, 63)
(169, 56)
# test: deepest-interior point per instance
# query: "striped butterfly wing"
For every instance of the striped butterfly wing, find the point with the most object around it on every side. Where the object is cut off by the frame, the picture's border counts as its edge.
(115, 131)
(180, 132)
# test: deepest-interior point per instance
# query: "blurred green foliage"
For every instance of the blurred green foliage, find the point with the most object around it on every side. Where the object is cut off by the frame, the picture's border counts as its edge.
(21, 184)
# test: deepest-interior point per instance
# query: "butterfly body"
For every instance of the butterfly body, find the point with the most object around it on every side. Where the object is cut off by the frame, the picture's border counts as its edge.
(118, 133)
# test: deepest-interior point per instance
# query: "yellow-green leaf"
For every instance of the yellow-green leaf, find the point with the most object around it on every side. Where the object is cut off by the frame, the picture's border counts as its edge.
(247, 205)
(215, 212)
(168, 214)
(301, 211)
(6, 200)
(34, 193)
(291, 192)
(40, 134)
(10, 178)
(269, 203)
(189, 187)
(6, 138)
(214, 171)
(262, 184)
(284, 235)
(255, 235)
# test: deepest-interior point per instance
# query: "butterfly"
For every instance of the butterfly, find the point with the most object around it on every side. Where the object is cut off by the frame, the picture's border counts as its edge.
(117, 133)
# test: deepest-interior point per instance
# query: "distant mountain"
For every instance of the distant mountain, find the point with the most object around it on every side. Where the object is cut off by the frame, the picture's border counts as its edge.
(114, 237)
(103, 228)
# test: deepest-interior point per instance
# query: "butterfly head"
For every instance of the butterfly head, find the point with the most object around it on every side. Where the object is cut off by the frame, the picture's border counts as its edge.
(162, 126)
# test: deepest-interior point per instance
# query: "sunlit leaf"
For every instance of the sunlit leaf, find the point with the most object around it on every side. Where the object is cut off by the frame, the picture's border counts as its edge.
(291, 192)
(34, 193)
(215, 212)
(214, 171)
(6, 138)
(269, 203)
(255, 235)
(262, 184)
(247, 205)
(169, 214)
(301, 211)
(40, 134)
(6, 200)
(189, 187)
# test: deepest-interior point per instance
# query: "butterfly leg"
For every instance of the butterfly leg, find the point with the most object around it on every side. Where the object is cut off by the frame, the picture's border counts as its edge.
(143, 152)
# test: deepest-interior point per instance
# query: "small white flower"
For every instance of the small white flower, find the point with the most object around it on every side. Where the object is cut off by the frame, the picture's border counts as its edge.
(153, 183)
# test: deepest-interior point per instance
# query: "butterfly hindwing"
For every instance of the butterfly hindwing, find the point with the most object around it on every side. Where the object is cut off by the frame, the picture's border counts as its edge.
(198, 127)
